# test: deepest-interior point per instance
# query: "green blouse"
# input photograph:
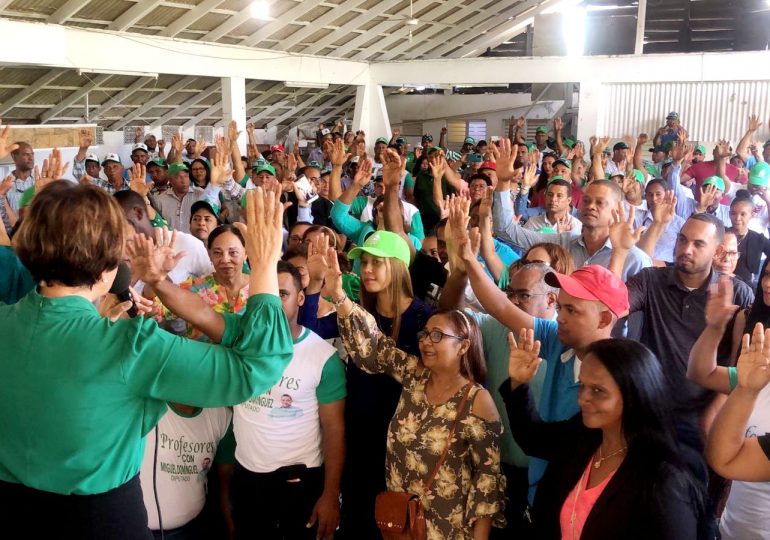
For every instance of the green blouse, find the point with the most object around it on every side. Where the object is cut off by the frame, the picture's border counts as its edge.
(79, 393)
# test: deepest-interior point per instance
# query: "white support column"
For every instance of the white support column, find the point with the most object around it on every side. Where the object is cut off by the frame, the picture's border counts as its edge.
(589, 120)
(370, 114)
(234, 106)
(641, 16)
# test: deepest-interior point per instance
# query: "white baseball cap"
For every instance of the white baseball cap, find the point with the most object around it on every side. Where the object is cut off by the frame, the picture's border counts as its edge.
(111, 157)
(139, 146)
(92, 157)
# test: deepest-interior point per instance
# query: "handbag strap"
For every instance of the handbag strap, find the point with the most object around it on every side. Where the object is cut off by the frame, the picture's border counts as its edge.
(441, 459)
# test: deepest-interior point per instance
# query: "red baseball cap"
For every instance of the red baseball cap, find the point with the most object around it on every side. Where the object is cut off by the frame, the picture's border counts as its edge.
(596, 283)
(489, 165)
(277, 148)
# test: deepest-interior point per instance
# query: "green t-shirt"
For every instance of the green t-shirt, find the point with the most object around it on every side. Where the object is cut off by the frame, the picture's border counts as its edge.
(79, 393)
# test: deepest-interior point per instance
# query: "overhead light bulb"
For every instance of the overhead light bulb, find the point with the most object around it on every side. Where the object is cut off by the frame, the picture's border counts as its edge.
(260, 9)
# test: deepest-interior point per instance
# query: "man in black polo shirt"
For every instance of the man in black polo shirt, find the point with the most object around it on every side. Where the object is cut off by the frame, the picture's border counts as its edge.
(673, 303)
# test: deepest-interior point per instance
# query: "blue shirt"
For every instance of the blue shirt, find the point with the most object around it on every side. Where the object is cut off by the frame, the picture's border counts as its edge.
(686, 206)
(507, 230)
(506, 254)
(664, 249)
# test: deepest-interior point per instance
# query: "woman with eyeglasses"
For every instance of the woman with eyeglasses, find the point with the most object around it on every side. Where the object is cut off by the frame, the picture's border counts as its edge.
(747, 511)
(751, 244)
(440, 386)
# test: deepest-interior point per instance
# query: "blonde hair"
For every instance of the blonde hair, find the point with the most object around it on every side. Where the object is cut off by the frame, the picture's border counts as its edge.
(400, 285)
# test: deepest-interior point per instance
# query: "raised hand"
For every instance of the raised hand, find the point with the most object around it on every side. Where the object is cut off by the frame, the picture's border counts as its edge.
(598, 145)
(708, 195)
(754, 123)
(5, 187)
(722, 150)
(665, 210)
(364, 173)
(220, 165)
(391, 168)
(291, 164)
(622, 233)
(53, 169)
(459, 217)
(85, 138)
(677, 152)
(565, 224)
(754, 361)
(137, 179)
(396, 133)
(579, 151)
(524, 357)
(232, 131)
(152, 261)
(200, 146)
(333, 276)
(138, 134)
(438, 166)
(162, 144)
(719, 306)
(485, 208)
(631, 142)
(530, 176)
(558, 124)
(505, 157)
(263, 231)
(176, 144)
(642, 139)
(316, 258)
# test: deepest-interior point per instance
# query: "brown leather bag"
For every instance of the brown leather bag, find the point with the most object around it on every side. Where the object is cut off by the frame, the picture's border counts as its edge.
(400, 515)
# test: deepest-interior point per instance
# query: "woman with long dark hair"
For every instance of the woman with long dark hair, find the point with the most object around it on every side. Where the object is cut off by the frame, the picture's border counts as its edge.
(467, 496)
(615, 470)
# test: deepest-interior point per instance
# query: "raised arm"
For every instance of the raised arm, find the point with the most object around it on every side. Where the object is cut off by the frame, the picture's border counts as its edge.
(662, 215)
(486, 242)
(338, 159)
(239, 172)
(442, 138)
(729, 452)
(597, 149)
(702, 365)
(743, 145)
(721, 155)
(391, 177)
(641, 140)
(623, 237)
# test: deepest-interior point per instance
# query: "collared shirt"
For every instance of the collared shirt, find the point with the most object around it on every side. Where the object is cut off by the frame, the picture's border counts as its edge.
(674, 318)
(17, 190)
(508, 231)
(176, 209)
(107, 186)
(664, 249)
(540, 221)
(687, 206)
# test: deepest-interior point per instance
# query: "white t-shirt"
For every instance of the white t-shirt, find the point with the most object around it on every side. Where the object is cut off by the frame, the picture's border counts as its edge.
(409, 210)
(747, 513)
(281, 427)
(186, 450)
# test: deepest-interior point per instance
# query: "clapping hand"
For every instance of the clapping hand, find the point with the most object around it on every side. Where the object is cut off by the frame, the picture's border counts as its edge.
(523, 359)
(754, 361)
(719, 306)
(622, 233)
(152, 261)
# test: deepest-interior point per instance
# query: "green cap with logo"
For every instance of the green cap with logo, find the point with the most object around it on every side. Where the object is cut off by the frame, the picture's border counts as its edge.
(451, 155)
(157, 162)
(715, 181)
(383, 244)
(542, 129)
(555, 178)
(382, 140)
(569, 142)
(176, 168)
(700, 149)
(264, 166)
(639, 177)
(469, 140)
(563, 161)
(759, 175)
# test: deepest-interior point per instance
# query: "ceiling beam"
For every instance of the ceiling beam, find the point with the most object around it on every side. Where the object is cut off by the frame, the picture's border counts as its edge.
(33, 88)
(304, 105)
(284, 103)
(316, 111)
(70, 8)
(152, 103)
(116, 100)
(73, 97)
(229, 24)
(190, 18)
(281, 21)
(498, 33)
(214, 109)
(203, 94)
(317, 24)
(132, 15)
(349, 26)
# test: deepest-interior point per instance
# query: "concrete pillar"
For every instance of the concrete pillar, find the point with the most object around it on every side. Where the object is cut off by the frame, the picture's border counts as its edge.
(589, 120)
(371, 114)
(234, 106)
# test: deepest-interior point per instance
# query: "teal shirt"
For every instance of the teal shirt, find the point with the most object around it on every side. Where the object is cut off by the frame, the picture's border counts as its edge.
(15, 279)
(79, 393)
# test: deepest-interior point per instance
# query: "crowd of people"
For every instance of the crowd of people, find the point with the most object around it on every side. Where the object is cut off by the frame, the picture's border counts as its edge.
(510, 339)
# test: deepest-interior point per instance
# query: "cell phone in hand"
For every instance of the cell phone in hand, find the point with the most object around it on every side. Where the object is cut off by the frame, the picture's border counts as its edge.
(304, 185)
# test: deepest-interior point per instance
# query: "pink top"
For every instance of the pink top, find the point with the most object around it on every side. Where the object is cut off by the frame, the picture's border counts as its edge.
(579, 503)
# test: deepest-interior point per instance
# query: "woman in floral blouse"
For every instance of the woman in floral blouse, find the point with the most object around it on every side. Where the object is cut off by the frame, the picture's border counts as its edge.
(468, 495)
(227, 289)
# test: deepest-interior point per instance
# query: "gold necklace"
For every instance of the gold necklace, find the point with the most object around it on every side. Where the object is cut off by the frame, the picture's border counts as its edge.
(598, 462)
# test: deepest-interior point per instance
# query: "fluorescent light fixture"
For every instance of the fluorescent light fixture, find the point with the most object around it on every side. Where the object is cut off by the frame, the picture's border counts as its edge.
(117, 72)
(260, 9)
(299, 84)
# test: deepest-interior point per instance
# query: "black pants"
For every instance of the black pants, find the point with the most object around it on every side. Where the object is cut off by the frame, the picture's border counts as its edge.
(516, 509)
(117, 514)
(275, 505)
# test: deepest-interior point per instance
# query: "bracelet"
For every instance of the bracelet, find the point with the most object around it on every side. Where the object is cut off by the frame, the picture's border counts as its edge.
(732, 373)
(338, 303)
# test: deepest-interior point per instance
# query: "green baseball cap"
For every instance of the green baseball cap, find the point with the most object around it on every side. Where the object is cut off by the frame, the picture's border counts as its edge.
(555, 178)
(759, 174)
(564, 162)
(569, 142)
(382, 140)
(264, 167)
(469, 140)
(26, 197)
(176, 168)
(383, 244)
(639, 177)
(433, 150)
(714, 181)
(530, 147)
(451, 155)
(542, 129)
(157, 162)
(700, 149)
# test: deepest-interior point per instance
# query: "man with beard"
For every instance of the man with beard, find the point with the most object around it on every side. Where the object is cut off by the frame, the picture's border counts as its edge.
(673, 302)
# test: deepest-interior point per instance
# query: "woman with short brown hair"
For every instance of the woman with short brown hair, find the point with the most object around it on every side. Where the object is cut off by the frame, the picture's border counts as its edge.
(79, 393)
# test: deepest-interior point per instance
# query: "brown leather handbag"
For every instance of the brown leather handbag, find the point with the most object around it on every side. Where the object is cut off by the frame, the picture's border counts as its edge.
(400, 515)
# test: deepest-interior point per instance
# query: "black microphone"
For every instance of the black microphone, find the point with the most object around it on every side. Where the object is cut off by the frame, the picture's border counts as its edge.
(120, 288)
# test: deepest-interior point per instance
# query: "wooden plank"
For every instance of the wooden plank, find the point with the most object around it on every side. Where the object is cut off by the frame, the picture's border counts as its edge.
(49, 136)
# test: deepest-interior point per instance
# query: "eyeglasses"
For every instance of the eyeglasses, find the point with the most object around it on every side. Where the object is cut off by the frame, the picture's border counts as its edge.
(730, 255)
(435, 335)
(521, 296)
